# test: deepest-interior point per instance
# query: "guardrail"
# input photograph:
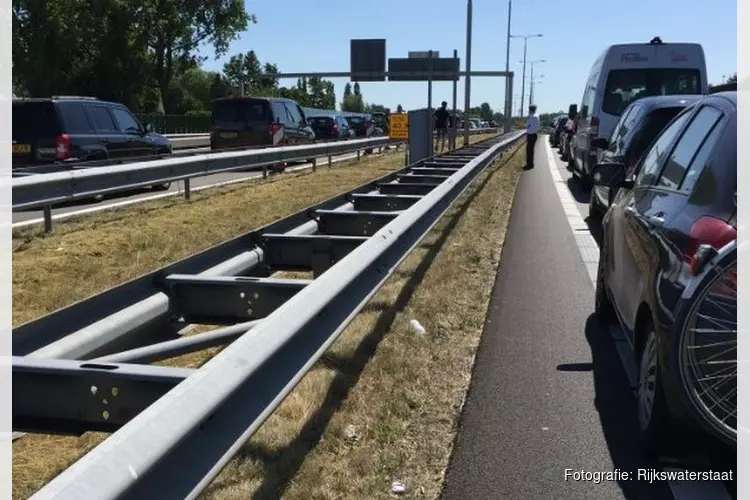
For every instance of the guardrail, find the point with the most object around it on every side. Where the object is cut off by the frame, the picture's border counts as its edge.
(46, 190)
(187, 141)
(177, 428)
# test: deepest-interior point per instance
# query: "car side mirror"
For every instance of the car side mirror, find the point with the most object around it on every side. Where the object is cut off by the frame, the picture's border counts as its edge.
(609, 175)
(148, 128)
(600, 143)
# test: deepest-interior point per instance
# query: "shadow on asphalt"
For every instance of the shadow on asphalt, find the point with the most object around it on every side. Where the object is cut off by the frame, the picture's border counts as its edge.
(617, 413)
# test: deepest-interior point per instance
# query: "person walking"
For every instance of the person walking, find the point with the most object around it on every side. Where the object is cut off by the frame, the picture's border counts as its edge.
(532, 128)
(442, 115)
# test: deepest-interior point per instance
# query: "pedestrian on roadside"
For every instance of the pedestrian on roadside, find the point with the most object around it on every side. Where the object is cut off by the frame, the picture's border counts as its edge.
(442, 115)
(532, 127)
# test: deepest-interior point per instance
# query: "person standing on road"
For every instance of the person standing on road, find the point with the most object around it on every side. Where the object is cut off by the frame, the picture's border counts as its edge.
(532, 127)
(441, 125)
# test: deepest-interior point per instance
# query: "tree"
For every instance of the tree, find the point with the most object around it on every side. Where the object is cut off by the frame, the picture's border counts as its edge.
(356, 89)
(374, 108)
(244, 70)
(347, 90)
(485, 112)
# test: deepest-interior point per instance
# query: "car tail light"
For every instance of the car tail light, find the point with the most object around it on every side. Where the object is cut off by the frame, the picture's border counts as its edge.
(707, 235)
(274, 129)
(594, 128)
(62, 145)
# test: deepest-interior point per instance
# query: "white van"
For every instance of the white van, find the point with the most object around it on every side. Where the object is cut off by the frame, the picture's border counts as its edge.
(624, 73)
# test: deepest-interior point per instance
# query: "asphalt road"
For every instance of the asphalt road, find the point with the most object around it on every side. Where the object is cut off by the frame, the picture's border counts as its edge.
(549, 390)
(146, 194)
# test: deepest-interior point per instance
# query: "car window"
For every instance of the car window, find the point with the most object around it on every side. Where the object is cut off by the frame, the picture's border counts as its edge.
(292, 113)
(280, 114)
(649, 167)
(624, 86)
(239, 112)
(126, 121)
(687, 147)
(75, 118)
(698, 162)
(103, 120)
(620, 130)
(34, 119)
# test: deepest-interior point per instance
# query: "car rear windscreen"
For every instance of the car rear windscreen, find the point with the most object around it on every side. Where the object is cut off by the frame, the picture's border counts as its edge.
(626, 85)
(320, 121)
(34, 119)
(239, 111)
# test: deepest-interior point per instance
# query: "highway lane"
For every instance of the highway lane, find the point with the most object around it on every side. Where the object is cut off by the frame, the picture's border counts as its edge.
(21, 219)
(550, 390)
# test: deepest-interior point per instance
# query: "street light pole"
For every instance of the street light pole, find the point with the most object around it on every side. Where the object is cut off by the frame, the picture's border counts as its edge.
(523, 78)
(467, 96)
(508, 96)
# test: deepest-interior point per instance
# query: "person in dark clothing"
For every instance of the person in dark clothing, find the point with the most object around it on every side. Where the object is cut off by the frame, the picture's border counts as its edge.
(441, 125)
(532, 127)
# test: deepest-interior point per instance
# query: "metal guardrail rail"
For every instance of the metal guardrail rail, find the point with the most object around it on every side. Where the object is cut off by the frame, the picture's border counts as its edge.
(176, 427)
(47, 189)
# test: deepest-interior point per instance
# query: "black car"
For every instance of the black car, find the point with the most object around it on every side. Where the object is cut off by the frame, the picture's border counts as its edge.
(250, 122)
(332, 127)
(362, 125)
(72, 129)
(558, 127)
(666, 275)
(641, 121)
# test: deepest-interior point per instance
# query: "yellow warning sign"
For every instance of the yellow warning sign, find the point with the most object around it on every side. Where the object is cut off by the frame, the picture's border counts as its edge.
(399, 126)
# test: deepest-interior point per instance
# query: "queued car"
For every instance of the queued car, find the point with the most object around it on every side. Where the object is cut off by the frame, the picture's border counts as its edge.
(667, 274)
(362, 125)
(558, 126)
(69, 129)
(251, 122)
(331, 127)
(639, 124)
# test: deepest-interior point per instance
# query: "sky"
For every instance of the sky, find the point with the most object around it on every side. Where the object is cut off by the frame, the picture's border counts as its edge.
(315, 36)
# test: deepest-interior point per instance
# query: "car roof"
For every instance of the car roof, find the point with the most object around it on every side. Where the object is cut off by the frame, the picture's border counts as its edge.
(76, 99)
(667, 101)
(729, 95)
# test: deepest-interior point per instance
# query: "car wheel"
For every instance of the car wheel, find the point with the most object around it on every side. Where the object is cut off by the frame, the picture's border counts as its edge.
(653, 415)
(161, 187)
(603, 307)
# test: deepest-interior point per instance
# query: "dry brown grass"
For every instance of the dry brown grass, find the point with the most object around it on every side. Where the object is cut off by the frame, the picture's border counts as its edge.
(78, 245)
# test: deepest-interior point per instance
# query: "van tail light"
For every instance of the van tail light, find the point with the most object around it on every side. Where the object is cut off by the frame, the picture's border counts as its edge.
(62, 145)
(707, 236)
(276, 131)
(594, 128)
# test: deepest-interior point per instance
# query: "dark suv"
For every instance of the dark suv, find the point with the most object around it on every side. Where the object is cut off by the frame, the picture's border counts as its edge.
(64, 129)
(331, 127)
(246, 122)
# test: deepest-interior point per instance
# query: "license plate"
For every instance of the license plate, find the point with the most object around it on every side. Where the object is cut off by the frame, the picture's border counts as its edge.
(228, 135)
(21, 148)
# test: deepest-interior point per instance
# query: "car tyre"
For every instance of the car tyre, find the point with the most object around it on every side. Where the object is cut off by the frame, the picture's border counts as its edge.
(161, 187)
(603, 307)
(652, 412)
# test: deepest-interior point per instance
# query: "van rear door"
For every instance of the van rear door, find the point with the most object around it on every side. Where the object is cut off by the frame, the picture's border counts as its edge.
(240, 123)
(36, 126)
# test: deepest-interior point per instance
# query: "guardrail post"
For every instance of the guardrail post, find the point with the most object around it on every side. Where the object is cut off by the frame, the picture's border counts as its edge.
(265, 171)
(187, 188)
(358, 154)
(330, 162)
(314, 164)
(47, 218)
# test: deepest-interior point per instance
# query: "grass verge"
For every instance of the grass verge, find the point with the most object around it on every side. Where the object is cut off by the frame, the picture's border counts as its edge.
(99, 250)
(383, 402)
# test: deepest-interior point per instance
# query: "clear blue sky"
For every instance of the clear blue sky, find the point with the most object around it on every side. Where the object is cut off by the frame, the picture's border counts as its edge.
(314, 35)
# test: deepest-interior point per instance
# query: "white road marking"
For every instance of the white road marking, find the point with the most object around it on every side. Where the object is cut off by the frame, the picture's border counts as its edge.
(180, 191)
(589, 249)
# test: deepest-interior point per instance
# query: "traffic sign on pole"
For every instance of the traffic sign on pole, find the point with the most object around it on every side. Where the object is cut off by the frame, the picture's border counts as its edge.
(399, 126)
